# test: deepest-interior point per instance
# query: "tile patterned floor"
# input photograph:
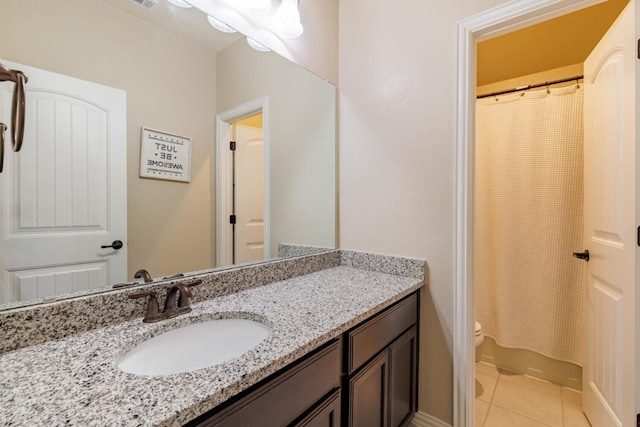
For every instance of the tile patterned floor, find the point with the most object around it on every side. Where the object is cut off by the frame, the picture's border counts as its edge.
(507, 399)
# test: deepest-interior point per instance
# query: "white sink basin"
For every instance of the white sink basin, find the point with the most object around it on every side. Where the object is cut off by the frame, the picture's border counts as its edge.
(194, 347)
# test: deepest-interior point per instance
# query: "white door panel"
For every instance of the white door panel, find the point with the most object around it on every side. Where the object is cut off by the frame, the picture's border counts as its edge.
(249, 191)
(29, 284)
(64, 195)
(610, 226)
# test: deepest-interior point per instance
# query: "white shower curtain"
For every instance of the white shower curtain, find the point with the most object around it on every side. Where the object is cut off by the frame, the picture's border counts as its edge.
(529, 220)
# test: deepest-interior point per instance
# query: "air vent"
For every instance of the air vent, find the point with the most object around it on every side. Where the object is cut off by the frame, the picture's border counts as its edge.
(147, 4)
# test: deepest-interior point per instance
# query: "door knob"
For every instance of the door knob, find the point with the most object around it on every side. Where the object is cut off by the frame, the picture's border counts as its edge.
(117, 244)
(582, 255)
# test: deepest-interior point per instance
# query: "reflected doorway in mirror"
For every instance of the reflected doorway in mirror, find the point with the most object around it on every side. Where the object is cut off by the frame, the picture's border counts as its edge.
(248, 190)
(242, 184)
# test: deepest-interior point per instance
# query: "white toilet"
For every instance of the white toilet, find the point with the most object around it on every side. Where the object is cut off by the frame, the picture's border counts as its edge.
(479, 334)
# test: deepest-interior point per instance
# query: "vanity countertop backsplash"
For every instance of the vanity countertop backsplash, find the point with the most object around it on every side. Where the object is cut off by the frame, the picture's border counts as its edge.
(59, 361)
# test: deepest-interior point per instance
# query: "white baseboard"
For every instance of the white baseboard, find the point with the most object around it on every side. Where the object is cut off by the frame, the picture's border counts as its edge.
(425, 420)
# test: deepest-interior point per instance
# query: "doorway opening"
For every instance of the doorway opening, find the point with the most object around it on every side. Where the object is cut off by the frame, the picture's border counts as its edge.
(498, 21)
(242, 184)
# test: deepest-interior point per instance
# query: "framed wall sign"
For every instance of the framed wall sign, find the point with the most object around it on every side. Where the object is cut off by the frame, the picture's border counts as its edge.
(165, 156)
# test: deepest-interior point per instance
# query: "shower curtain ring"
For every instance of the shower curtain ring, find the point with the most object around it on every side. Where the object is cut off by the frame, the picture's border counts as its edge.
(548, 91)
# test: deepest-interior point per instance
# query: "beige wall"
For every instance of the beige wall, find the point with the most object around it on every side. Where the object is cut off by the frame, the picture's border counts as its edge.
(93, 41)
(301, 130)
(397, 123)
(317, 48)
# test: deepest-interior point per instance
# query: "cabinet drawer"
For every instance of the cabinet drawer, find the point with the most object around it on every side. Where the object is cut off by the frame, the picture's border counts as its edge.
(326, 414)
(283, 399)
(366, 340)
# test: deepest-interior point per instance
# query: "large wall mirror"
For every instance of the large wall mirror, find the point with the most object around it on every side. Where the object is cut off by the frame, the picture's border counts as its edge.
(170, 77)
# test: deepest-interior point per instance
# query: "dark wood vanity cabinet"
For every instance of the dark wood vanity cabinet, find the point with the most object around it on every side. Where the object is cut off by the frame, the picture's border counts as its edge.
(403, 379)
(295, 396)
(381, 359)
(366, 378)
(326, 414)
(367, 397)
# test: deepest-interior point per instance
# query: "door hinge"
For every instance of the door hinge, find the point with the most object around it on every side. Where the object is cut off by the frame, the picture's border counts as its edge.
(232, 219)
(638, 237)
(232, 145)
(638, 48)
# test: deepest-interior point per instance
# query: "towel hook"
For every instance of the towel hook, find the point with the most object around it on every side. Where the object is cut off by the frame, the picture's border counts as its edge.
(17, 105)
(17, 111)
(3, 128)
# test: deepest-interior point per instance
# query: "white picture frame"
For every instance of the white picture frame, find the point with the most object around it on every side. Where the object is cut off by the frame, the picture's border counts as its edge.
(164, 156)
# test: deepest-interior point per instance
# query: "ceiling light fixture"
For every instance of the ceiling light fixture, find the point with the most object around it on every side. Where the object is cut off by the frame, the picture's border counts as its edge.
(258, 5)
(257, 45)
(287, 19)
(180, 3)
(220, 26)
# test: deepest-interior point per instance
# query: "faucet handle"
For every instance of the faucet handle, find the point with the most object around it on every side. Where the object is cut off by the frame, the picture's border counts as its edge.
(153, 310)
(193, 283)
(142, 293)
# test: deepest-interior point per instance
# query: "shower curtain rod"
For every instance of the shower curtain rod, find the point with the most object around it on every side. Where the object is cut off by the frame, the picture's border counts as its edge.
(524, 88)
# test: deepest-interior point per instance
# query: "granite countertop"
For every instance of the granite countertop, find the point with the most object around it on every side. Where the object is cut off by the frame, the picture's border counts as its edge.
(76, 381)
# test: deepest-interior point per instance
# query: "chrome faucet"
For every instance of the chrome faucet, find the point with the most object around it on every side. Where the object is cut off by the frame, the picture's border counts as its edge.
(177, 301)
(143, 274)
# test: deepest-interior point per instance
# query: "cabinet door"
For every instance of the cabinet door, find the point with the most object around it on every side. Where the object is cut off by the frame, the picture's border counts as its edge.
(375, 334)
(402, 379)
(327, 414)
(284, 397)
(368, 394)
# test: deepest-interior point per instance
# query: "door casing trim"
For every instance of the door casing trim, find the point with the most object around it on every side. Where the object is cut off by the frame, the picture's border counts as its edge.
(503, 19)
(224, 179)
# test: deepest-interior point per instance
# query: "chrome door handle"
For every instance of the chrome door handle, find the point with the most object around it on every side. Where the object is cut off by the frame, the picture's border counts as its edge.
(117, 244)
(582, 255)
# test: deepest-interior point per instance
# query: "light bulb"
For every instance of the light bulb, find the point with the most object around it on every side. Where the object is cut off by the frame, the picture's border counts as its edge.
(180, 3)
(258, 5)
(220, 26)
(287, 19)
(257, 45)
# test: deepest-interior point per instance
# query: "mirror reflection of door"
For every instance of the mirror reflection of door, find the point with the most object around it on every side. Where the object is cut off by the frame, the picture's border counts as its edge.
(248, 190)
(63, 197)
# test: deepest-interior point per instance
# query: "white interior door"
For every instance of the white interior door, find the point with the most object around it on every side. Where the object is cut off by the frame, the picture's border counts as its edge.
(64, 195)
(609, 372)
(249, 194)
